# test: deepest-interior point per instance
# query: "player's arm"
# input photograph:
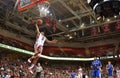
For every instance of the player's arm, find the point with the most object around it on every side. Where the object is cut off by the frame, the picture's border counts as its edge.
(112, 67)
(91, 65)
(51, 42)
(37, 30)
(100, 65)
(107, 67)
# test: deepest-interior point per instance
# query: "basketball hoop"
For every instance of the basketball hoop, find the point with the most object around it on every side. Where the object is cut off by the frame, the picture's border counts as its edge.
(40, 7)
(43, 8)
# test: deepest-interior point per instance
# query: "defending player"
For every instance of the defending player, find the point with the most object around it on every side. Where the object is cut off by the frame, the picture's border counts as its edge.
(110, 69)
(96, 66)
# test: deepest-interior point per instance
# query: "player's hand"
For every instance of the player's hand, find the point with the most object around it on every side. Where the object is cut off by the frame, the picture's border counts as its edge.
(54, 41)
(98, 67)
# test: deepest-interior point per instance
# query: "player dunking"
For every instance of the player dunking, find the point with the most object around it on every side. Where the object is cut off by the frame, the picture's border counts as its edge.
(38, 47)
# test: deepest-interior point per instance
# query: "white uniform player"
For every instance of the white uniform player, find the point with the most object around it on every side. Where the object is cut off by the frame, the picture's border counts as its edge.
(80, 72)
(38, 47)
(39, 43)
(118, 72)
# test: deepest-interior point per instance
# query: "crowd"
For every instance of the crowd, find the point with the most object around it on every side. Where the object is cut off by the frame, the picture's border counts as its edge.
(18, 68)
(13, 68)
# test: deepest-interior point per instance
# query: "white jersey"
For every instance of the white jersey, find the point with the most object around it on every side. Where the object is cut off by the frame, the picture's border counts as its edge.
(80, 73)
(39, 68)
(40, 40)
(80, 70)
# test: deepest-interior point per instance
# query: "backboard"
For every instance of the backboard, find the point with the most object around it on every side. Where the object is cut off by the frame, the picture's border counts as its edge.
(26, 4)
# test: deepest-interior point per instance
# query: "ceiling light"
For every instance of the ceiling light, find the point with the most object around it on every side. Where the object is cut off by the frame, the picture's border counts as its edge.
(82, 25)
(70, 37)
(108, 20)
(67, 25)
(115, 16)
(59, 20)
(93, 21)
(98, 18)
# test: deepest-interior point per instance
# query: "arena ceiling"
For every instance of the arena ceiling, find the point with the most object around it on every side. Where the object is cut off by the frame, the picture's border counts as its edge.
(74, 18)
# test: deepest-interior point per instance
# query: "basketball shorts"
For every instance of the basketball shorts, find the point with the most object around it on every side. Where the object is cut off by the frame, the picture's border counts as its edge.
(96, 73)
(38, 48)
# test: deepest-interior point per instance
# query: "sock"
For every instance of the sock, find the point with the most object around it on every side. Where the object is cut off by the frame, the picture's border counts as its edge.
(32, 66)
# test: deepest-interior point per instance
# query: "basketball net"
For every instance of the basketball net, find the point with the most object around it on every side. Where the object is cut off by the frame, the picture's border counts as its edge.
(43, 8)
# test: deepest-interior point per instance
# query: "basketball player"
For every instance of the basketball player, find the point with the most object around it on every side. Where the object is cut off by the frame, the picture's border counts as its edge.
(80, 72)
(96, 66)
(109, 68)
(73, 74)
(38, 47)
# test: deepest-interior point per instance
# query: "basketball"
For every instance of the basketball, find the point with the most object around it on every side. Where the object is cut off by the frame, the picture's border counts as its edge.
(39, 22)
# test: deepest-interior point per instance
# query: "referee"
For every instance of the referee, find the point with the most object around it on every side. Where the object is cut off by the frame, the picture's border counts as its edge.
(38, 70)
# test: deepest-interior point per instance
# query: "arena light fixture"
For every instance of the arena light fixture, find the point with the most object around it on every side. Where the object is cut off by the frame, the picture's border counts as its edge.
(70, 37)
(115, 16)
(48, 57)
(93, 22)
(67, 25)
(59, 20)
(82, 25)
(108, 20)
(43, 56)
(16, 49)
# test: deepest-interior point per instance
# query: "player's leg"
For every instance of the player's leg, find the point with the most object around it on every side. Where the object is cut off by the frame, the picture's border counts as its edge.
(36, 52)
(35, 59)
(33, 64)
(98, 74)
(39, 49)
(93, 73)
(110, 74)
